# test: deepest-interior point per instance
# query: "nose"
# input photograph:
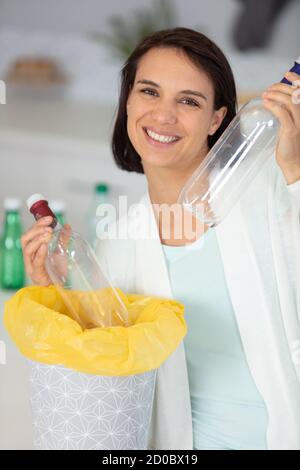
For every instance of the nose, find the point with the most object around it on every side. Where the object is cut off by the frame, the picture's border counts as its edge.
(164, 112)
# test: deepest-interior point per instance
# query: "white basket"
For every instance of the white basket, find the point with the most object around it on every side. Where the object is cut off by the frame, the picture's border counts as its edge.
(72, 410)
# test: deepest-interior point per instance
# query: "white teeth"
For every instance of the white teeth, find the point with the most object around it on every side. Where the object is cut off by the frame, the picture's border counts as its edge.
(161, 138)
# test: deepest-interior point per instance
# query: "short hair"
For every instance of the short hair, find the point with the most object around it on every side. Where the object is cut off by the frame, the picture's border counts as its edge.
(202, 52)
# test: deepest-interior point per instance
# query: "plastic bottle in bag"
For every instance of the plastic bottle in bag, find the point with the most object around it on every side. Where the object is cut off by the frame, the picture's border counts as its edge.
(233, 162)
(72, 265)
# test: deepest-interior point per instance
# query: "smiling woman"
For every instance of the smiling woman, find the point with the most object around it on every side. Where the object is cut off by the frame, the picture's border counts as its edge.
(169, 120)
(176, 83)
(217, 392)
(233, 382)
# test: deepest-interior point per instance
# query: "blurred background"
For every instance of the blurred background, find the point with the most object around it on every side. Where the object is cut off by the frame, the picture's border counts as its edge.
(60, 61)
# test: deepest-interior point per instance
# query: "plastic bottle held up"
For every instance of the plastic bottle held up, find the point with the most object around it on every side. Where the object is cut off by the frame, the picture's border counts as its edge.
(233, 162)
(72, 265)
(12, 273)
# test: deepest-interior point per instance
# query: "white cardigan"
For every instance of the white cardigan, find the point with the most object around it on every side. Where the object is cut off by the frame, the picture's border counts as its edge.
(260, 248)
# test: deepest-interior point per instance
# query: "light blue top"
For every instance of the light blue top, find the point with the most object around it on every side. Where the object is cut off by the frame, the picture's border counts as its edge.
(228, 411)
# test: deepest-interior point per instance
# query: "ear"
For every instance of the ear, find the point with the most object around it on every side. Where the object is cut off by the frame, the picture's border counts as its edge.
(217, 120)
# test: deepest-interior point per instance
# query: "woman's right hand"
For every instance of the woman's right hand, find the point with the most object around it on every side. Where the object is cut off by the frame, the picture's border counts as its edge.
(35, 246)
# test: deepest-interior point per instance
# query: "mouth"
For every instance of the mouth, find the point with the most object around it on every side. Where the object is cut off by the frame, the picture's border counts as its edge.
(160, 140)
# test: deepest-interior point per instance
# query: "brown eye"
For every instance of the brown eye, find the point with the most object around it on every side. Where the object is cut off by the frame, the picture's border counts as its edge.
(190, 102)
(148, 91)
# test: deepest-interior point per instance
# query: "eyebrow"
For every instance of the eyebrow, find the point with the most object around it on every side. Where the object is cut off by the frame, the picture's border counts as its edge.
(187, 92)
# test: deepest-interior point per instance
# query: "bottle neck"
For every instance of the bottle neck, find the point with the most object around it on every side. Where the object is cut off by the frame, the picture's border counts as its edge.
(12, 222)
(12, 216)
(101, 197)
(58, 226)
(60, 218)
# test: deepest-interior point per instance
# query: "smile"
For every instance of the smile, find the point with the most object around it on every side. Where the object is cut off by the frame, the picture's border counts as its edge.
(162, 139)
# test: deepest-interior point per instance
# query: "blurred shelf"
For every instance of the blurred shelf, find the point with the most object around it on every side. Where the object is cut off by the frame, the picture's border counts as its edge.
(78, 120)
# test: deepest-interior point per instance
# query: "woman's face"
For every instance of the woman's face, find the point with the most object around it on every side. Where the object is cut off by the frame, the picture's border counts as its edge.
(170, 110)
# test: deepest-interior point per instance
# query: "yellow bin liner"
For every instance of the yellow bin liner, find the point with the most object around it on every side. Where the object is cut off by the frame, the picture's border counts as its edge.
(38, 322)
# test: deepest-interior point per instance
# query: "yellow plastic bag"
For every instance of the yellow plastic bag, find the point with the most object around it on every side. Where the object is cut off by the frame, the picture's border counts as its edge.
(38, 323)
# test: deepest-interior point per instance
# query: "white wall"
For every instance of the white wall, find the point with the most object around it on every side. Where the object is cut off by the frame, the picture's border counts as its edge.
(214, 16)
(59, 27)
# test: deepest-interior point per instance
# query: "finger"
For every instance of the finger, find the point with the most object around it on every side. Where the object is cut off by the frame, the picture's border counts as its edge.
(34, 245)
(34, 236)
(290, 102)
(283, 115)
(279, 97)
(296, 98)
(43, 221)
(291, 76)
(37, 228)
(40, 256)
(283, 88)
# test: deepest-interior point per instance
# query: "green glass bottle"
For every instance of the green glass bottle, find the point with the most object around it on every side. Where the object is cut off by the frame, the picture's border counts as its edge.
(12, 273)
(100, 196)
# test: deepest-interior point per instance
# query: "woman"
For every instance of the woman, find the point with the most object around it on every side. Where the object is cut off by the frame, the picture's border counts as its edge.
(234, 383)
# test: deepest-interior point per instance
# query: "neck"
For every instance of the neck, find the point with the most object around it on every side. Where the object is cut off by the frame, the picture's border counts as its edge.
(165, 184)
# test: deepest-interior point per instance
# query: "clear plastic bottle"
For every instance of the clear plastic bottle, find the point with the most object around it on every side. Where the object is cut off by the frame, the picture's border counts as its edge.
(233, 162)
(72, 265)
(12, 273)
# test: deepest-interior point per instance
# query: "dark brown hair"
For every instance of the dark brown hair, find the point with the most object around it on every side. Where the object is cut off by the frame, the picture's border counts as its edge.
(205, 54)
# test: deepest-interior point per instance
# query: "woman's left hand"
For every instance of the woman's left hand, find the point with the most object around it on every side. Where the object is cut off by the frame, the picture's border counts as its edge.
(283, 101)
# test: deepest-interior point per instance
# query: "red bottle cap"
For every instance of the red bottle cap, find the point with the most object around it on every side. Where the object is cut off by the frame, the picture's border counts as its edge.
(38, 206)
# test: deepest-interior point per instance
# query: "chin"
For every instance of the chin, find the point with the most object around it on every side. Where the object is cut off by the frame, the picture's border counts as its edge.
(160, 161)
